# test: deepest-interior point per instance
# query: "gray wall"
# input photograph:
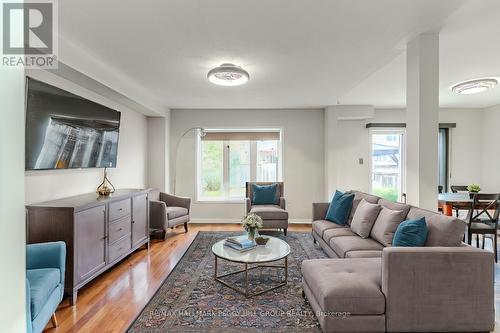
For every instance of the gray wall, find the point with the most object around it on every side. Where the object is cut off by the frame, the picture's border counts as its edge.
(302, 153)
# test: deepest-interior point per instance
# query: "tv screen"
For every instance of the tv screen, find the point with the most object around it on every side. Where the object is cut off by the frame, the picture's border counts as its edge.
(65, 131)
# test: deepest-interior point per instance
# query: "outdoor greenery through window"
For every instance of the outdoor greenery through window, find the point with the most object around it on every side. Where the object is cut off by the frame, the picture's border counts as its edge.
(227, 160)
(387, 164)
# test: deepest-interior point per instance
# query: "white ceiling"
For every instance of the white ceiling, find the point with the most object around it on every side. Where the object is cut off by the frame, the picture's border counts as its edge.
(469, 48)
(300, 53)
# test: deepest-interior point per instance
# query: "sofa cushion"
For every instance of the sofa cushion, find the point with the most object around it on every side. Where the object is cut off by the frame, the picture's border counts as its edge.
(358, 196)
(340, 208)
(340, 285)
(43, 282)
(175, 212)
(386, 224)
(442, 230)
(411, 233)
(343, 245)
(265, 194)
(320, 226)
(364, 218)
(337, 232)
(395, 206)
(270, 212)
(364, 254)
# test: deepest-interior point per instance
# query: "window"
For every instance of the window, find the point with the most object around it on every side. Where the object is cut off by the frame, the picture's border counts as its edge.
(387, 161)
(228, 159)
(443, 164)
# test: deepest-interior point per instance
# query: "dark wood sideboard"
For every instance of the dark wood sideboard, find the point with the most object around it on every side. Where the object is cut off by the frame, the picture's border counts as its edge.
(98, 231)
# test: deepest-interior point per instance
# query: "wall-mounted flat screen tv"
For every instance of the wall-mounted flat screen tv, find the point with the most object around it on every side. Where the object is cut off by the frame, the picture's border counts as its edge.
(65, 131)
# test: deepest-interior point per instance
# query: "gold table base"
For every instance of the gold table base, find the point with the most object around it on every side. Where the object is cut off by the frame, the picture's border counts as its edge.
(246, 291)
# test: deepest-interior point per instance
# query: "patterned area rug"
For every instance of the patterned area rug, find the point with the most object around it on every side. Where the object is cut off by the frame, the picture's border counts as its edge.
(190, 300)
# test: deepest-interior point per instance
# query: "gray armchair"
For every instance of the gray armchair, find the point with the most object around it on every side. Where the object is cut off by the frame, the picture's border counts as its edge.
(168, 211)
(273, 216)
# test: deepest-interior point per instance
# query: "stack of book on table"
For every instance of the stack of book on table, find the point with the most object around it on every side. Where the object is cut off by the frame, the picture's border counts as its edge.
(240, 243)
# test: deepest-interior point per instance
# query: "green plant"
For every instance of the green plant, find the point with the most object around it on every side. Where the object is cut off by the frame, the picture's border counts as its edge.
(211, 183)
(390, 194)
(474, 188)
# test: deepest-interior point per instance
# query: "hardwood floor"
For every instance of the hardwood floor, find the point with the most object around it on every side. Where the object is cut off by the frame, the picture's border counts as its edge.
(112, 301)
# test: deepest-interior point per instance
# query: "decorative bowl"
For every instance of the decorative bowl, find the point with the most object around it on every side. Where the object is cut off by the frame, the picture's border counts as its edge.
(261, 240)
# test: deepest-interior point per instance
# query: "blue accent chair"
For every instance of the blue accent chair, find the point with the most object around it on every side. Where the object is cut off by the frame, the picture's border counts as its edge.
(45, 268)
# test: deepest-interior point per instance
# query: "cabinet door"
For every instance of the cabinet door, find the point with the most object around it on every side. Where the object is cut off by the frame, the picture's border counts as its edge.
(90, 241)
(140, 225)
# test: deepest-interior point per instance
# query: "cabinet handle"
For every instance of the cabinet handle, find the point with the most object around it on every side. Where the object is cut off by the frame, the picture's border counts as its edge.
(120, 209)
(133, 221)
(120, 229)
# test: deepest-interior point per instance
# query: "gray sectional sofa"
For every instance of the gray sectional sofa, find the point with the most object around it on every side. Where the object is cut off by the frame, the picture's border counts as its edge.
(370, 286)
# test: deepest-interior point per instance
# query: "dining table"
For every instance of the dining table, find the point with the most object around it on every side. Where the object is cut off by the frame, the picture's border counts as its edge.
(447, 201)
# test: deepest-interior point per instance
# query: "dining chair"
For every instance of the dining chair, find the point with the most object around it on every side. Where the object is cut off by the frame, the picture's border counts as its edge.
(459, 189)
(480, 221)
(440, 190)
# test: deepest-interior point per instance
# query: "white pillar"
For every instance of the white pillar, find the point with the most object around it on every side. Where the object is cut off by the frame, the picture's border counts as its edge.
(422, 100)
(159, 152)
(12, 226)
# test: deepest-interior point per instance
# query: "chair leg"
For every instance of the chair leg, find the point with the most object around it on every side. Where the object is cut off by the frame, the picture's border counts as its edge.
(53, 319)
(165, 234)
(186, 226)
(284, 231)
(469, 238)
(484, 240)
(477, 240)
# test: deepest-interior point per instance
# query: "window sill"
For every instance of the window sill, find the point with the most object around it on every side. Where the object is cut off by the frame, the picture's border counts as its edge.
(220, 201)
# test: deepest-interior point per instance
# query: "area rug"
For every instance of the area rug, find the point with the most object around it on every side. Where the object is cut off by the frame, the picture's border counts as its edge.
(190, 300)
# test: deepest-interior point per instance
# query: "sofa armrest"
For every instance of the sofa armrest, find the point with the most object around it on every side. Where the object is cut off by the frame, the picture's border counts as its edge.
(173, 200)
(158, 214)
(248, 205)
(438, 289)
(47, 255)
(29, 323)
(319, 210)
(282, 203)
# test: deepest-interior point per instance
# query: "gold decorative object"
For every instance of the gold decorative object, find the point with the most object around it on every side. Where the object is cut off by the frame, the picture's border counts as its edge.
(105, 188)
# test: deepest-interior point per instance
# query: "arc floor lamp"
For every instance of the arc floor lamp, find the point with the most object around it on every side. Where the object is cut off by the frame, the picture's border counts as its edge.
(200, 131)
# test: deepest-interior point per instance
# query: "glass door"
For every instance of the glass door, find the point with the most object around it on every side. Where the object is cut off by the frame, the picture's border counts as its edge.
(387, 163)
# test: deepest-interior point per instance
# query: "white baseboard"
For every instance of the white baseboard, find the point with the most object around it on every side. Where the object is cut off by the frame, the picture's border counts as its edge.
(232, 221)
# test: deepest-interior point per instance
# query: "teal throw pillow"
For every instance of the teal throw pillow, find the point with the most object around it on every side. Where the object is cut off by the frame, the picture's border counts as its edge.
(411, 233)
(265, 194)
(340, 208)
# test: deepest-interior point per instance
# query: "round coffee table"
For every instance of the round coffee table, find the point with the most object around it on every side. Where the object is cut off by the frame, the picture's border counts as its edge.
(260, 256)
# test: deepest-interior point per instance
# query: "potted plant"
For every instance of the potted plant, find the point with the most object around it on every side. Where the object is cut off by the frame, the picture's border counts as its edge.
(473, 189)
(251, 223)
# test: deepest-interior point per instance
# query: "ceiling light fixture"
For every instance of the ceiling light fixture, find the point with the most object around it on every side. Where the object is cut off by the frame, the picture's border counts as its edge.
(474, 86)
(228, 75)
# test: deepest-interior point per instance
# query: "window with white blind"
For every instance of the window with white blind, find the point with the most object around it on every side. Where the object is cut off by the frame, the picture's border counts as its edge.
(226, 159)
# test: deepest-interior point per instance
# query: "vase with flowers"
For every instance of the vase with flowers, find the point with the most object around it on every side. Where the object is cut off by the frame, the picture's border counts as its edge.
(252, 223)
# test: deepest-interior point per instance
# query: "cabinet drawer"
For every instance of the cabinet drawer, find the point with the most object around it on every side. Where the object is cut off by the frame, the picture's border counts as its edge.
(119, 228)
(119, 248)
(119, 209)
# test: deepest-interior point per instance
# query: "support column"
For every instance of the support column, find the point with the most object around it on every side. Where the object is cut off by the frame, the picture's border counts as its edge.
(159, 152)
(422, 119)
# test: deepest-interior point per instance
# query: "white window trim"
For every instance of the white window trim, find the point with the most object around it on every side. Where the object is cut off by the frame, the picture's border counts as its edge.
(391, 130)
(198, 198)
